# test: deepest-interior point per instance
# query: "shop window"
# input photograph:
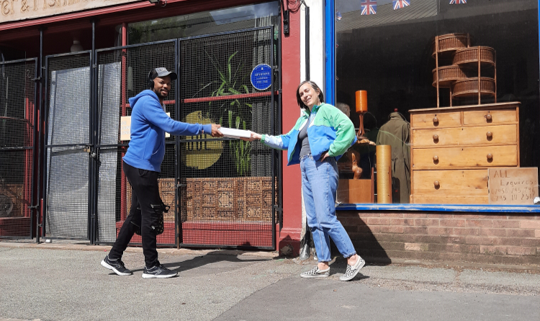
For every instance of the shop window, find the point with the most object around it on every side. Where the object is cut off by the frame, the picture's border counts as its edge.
(459, 130)
(206, 22)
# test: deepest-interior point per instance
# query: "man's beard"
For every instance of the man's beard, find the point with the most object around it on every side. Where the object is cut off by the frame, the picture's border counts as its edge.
(158, 93)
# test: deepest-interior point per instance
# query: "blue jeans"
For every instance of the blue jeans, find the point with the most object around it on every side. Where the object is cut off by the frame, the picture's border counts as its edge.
(319, 186)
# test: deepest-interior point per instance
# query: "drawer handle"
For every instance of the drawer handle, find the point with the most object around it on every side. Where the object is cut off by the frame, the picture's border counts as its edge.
(435, 159)
(489, 118)
(435, 121)
(436, 184)
(435, 138)
(490, 157)
(489, 135)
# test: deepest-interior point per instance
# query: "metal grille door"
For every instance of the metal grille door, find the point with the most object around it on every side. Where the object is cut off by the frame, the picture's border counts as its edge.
(228, 185)
(221, 192)
(17, 147)
(67, 146)
(122, 73)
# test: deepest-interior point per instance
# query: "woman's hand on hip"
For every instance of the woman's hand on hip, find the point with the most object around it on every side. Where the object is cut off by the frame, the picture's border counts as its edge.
(324, 156)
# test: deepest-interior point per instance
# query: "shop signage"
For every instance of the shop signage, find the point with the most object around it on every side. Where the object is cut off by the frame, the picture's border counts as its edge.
(13, 10)
(261, 77)
(511, 185)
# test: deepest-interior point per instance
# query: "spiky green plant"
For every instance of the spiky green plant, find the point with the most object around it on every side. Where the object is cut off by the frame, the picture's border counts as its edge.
(232, 81)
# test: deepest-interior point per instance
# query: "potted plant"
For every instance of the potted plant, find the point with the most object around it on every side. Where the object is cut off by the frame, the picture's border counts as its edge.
(236, 113)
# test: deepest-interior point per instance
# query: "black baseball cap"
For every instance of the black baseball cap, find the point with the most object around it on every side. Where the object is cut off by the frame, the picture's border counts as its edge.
(162, 72)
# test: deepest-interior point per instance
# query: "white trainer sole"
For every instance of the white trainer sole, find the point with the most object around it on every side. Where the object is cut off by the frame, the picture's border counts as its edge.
(110, 267)
(153, 276)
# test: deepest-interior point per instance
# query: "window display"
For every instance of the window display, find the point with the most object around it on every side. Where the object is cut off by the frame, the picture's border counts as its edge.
(452, 89)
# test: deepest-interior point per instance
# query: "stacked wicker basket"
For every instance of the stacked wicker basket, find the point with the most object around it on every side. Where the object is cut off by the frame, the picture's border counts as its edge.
(467, 71)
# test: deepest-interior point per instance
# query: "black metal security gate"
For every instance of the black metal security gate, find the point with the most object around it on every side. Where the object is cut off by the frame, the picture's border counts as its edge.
(18, 119)
(222, 192)
(122, 74)
(68, 146)
(86, 194)
(228, 186)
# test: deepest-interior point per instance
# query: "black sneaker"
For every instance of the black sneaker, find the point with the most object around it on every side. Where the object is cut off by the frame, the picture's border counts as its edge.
(158, 272)
(117, 266)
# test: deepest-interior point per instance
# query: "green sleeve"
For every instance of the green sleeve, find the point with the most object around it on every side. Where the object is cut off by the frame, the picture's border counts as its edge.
(345, 132)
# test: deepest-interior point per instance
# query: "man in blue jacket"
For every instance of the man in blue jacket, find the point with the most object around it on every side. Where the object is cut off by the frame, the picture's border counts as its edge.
(142, 164)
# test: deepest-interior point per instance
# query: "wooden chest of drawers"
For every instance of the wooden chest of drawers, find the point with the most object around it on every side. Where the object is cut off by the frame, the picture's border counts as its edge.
(451, 149)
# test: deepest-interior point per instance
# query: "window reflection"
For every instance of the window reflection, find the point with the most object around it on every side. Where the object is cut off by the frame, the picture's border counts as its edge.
(207, 22)
(390, 54)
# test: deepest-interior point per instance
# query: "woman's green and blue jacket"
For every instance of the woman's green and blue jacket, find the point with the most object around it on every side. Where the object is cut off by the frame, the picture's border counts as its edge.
(329, 130)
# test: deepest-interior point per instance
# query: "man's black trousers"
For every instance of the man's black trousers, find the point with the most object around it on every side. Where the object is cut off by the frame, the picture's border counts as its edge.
(141, 216)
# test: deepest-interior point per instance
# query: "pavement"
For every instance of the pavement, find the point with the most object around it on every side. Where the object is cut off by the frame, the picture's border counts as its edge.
(65, 281)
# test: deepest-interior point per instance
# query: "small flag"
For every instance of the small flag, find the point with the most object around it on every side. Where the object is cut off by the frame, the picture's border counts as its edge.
(458, 1)
(338, 16)
(368, 7)
(398, 4)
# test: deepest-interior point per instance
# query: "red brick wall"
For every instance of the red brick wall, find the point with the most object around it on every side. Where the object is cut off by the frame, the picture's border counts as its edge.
(480, 238)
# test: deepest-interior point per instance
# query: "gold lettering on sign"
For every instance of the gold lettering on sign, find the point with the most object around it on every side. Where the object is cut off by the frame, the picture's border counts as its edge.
(24, 6)
(7, 7)
(12, 10)
(4, 7)
(50, 3)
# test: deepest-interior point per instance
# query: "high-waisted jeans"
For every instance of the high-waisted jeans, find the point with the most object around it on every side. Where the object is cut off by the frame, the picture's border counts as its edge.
(319, 186)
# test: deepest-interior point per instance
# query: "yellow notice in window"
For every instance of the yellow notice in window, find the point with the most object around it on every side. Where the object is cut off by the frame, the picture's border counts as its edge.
(125, 128)
(197, 152)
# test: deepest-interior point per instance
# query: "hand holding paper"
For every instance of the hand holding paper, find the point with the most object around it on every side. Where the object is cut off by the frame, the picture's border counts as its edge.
(215, 130)
(245, 135)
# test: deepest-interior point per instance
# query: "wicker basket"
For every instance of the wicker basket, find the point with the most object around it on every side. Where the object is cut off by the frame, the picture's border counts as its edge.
(470, 55)
(469, 88)
(449, 74)
(451, 42)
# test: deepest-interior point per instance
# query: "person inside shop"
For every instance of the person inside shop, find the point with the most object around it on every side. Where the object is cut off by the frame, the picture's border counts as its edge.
(142, 164)
(348, 164)
(395, 132)
(367, 152)
(310, 144)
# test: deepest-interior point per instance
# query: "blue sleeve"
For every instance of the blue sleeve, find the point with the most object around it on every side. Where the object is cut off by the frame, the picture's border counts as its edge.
(155, 114)
(276, 142)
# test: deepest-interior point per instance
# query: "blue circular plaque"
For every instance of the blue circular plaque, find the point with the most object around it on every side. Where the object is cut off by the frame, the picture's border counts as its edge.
(261, 77)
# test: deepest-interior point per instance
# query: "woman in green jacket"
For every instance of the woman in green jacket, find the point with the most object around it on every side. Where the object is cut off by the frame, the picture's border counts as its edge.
(321, 135)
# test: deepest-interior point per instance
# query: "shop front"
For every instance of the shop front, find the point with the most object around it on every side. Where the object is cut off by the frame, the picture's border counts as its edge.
(445, 96)
(68, 70)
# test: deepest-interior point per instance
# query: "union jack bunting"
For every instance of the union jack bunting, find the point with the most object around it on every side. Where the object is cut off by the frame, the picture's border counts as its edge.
(398, 4)
(458, 1)
(368, 7)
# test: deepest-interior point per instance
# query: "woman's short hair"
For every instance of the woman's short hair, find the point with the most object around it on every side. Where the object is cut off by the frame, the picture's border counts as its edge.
(314, 85)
